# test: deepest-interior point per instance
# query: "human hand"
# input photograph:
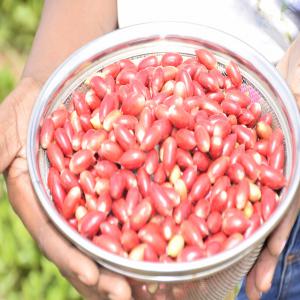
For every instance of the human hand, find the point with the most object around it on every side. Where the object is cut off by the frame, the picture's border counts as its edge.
(259, 279)
(91, 281)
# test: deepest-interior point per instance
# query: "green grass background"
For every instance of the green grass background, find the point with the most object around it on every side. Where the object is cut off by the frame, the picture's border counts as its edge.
(24, 273)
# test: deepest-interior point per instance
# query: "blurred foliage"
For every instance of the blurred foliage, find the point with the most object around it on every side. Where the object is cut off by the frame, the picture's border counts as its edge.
(18, 22)
(24, 273)
(7, 81)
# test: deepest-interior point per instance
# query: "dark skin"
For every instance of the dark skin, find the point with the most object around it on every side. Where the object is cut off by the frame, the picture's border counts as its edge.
(65, 26)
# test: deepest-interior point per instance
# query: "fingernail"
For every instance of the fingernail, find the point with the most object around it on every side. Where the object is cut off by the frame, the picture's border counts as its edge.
(83, 279)
(283, 243)
(260, 294)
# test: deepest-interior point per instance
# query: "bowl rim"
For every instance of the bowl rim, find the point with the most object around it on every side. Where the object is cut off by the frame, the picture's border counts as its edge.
(142, 32)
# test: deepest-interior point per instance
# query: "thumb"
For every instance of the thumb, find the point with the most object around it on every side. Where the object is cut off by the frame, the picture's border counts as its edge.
(115, 286)
(289, 67)
(14, 116)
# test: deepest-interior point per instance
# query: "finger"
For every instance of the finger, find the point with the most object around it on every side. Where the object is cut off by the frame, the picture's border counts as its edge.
(289, 67)
(280, 235)
(86, 292)
(252, 292)
(261, 276)
(283, 64)
(114, 285)
(293, 75)
(70, 261)
(264, 270)
(15, 111)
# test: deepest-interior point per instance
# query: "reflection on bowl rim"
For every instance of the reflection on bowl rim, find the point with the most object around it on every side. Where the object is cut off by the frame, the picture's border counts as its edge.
(161, 31)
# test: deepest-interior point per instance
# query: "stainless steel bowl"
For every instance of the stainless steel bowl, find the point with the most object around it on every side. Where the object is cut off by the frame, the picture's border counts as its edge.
(209, 278)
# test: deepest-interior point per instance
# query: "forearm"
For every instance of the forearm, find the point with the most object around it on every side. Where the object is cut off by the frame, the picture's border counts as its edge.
(65, 26)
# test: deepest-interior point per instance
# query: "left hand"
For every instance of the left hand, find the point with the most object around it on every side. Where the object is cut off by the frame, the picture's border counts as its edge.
(90, 280)
(259, 279)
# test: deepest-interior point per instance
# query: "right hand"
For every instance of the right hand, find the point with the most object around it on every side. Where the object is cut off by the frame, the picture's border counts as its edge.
(86, 276)
(259, 279)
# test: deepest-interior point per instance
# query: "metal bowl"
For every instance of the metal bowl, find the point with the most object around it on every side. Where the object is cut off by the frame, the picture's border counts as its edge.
(212, 277)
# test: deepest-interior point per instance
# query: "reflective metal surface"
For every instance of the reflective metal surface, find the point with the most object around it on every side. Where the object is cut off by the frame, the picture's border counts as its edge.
(221, 272)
